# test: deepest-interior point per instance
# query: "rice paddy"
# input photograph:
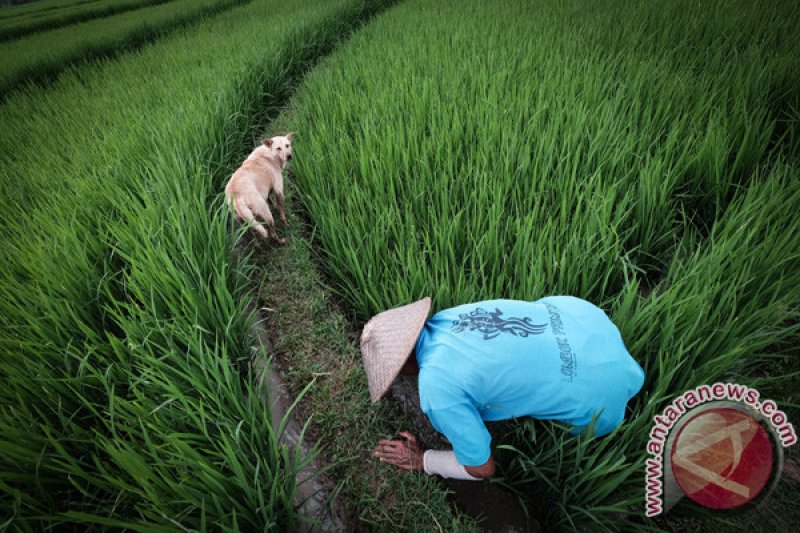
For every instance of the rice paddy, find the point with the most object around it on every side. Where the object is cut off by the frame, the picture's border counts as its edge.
(632, 154)
(127, 398)
(42, 55)
(643, 156)
(53, 18)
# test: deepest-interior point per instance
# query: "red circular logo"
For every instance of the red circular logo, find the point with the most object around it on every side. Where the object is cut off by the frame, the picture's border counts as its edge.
(722, 458)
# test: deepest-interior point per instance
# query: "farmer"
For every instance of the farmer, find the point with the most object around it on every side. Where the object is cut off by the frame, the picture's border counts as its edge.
(558, 358)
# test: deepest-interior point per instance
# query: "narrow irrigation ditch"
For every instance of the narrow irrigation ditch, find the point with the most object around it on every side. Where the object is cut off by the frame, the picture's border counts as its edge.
(313, 493)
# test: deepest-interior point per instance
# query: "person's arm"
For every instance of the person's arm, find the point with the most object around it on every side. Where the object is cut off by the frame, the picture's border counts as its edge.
(409, 455)
(483, 471)
(462, 425)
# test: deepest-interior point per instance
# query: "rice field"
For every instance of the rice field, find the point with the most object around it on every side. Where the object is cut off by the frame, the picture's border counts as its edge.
(128, 401)
(633, 154)
(42, 7)
(43, 55)
(45, 19)
(640, 155)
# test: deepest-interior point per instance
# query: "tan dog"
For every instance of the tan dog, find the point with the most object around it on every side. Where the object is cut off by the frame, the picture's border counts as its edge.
(249, 187)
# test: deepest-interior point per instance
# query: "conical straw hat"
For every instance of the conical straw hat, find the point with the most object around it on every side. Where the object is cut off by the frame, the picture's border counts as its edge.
(386, 342)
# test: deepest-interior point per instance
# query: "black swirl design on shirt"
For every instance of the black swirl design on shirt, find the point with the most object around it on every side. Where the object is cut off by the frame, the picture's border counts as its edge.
(491, 324)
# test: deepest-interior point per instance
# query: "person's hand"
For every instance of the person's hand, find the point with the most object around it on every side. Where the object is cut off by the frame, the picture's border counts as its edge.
(406, 453)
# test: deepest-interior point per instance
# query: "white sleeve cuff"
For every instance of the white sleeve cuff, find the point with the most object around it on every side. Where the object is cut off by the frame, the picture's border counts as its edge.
(445, 464)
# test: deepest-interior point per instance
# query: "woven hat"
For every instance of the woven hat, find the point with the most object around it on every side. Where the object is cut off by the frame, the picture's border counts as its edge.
(386, 342)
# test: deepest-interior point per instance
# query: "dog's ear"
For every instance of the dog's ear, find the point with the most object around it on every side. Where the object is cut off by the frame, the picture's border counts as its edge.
(267, 142)
(290, 135)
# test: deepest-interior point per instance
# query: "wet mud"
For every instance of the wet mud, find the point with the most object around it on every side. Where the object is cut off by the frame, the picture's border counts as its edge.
(495, 510)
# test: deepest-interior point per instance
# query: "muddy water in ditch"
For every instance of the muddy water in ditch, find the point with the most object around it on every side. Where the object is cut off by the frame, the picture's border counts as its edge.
(495, 510)
(313, 489)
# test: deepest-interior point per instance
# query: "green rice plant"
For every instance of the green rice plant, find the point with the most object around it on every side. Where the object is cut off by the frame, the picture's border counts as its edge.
(42, 55)
(721, 308)
(126, 396)
(40, 6)
(637, 155)
(48, 19)
(562, 155)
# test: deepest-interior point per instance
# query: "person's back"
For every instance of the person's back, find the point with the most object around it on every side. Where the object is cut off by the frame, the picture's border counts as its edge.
(558, 358)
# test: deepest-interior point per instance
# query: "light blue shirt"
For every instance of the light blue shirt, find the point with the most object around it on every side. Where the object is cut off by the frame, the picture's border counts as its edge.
(558, 358)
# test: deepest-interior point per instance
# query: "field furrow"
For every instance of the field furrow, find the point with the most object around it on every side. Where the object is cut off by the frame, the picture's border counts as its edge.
(39, 7)
(43, 55)
(128, 401)
(48, 19)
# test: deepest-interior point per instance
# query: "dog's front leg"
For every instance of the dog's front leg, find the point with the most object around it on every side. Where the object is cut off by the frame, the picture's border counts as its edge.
(281, 204)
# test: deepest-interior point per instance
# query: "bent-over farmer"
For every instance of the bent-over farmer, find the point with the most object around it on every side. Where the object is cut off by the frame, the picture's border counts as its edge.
(558, 358)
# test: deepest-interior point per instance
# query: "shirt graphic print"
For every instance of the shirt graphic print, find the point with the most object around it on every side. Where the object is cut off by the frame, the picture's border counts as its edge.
(491, 324)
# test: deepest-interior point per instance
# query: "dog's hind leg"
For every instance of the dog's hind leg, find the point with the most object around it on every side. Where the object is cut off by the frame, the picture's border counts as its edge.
(246, 214)
(261, 209)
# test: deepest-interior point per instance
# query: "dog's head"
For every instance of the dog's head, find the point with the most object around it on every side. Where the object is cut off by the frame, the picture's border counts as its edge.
(280, 147)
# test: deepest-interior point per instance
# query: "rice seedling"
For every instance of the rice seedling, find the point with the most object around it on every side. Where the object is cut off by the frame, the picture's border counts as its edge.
(633, 154)
(42, 55)
(47, 19)
(127, 398)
